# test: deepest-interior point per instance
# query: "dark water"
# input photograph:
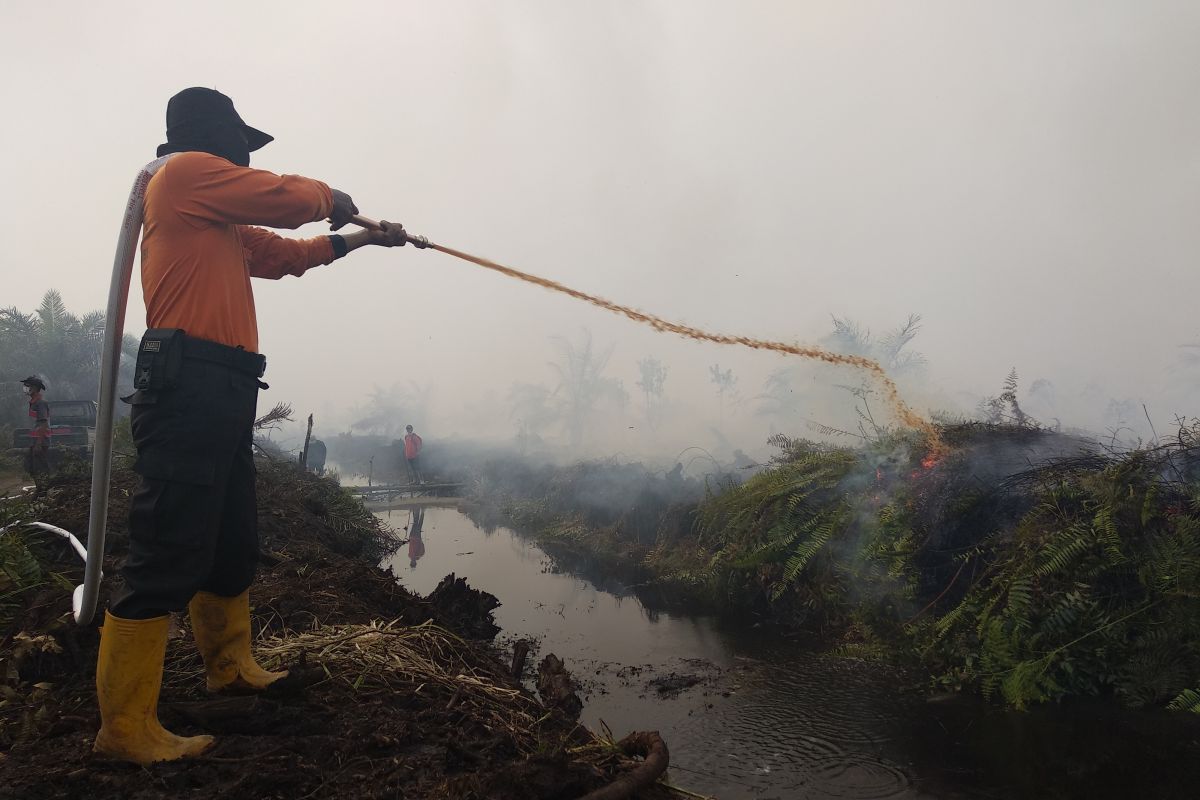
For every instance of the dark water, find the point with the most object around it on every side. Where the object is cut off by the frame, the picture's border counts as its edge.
(769, 717)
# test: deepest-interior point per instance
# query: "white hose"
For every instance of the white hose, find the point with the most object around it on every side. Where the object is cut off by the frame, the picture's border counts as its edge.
(75, 543)
(77, 595)
(85, 596)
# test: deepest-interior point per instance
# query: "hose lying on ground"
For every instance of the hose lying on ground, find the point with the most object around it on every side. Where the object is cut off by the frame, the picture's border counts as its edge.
(653, 749)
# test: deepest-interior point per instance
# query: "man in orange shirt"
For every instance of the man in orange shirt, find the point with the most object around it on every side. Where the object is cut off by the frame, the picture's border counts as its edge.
(193, 540)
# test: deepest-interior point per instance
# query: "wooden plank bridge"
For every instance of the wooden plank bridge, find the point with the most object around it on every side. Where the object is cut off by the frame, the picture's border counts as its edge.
(405, 491)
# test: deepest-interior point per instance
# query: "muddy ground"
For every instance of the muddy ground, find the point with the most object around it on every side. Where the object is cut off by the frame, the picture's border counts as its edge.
(358, 729)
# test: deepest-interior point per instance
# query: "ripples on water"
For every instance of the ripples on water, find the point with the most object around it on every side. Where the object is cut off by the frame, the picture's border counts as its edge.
(803, 727)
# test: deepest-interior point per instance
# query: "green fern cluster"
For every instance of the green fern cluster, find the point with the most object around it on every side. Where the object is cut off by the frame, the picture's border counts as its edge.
(1096, 591)
(19, 572)
(1188, 700)
(775, 528)
(19, 566)
(816, 538)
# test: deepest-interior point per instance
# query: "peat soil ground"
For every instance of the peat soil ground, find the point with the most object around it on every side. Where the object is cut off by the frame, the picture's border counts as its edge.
(391, 695)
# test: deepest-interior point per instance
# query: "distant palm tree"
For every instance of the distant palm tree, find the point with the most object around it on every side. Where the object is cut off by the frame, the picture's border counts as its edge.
(850, 338)
(386, 411)
(653, 379)
(725, 381)
(61, 348)
(530, 407)
(785, 393)
(582, 386)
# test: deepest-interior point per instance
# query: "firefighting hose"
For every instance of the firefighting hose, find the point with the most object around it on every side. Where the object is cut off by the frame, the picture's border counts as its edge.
(83, 599)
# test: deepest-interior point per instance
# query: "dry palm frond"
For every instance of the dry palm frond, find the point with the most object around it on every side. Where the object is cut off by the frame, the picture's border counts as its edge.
(390, 655)
(282, 412)
(394, 657)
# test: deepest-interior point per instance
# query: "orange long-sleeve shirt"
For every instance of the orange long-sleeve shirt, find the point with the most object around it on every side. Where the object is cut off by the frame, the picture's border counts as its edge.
(199, 249)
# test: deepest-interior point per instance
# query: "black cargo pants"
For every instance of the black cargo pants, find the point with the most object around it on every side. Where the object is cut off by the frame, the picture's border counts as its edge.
(193, 523)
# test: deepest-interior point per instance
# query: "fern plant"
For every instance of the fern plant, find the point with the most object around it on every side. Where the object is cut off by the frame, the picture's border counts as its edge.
(778, 522)
(1094, 592)
(1188, 700)
(19, 572)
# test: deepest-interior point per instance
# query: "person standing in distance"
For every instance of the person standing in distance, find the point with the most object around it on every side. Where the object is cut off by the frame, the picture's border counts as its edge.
(39, 434)
(412, 454)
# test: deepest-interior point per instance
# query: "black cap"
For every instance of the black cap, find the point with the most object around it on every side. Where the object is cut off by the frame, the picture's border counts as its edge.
(34, 380)
(196, 106)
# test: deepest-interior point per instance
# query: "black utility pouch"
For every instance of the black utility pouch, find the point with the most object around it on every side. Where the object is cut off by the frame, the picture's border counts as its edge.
(159, 360)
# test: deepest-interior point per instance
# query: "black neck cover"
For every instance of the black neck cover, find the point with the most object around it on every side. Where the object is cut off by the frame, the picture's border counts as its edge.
(210, 136)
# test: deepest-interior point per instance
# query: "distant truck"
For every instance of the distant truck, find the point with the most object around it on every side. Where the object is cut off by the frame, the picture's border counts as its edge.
(72, 428)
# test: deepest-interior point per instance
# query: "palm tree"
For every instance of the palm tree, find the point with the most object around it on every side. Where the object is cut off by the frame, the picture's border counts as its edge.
(850, 338)
(653, 378)
(582, 386)
(387, 411)
(725, 382)
(530, 407)
(65, 350)
(784, 393)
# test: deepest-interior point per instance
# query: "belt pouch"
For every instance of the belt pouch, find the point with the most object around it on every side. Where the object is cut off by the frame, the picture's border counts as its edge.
(159, 360)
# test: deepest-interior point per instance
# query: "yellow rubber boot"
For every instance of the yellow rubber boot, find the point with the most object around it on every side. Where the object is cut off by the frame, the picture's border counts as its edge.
(128, 679)
(222, 629)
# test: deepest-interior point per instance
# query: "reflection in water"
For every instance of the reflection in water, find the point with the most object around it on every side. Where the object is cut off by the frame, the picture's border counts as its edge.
(770, 718)
(416, 544)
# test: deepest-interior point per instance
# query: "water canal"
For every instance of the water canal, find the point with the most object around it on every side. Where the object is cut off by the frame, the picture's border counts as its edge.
(750, 713)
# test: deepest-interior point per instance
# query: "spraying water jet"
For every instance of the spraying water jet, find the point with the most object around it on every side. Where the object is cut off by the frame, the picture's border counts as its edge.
(903, 412)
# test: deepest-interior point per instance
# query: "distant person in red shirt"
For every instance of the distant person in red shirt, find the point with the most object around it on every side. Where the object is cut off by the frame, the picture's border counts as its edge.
(39, 411)
(412, 454)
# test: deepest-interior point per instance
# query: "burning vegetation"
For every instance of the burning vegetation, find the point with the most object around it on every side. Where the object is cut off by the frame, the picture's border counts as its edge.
(1009, 560)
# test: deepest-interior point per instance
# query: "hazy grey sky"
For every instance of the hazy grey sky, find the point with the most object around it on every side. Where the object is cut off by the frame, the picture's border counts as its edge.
(1025, 175)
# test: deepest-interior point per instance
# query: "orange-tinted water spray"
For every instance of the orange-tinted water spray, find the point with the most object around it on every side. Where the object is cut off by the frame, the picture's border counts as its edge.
(903, 412)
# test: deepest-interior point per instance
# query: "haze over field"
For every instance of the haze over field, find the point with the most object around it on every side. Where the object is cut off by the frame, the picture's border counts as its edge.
(1025, 176)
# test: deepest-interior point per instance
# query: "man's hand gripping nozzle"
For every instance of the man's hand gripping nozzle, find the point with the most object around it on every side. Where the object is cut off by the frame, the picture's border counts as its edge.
(419, 242)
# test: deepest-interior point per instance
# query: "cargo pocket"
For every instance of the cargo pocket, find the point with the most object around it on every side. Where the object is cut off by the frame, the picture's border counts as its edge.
(175, 467)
